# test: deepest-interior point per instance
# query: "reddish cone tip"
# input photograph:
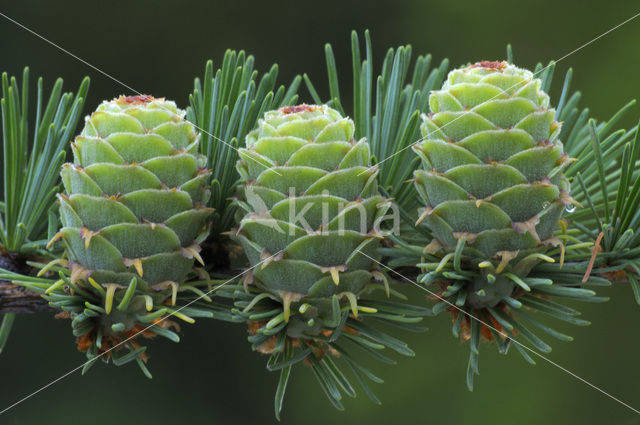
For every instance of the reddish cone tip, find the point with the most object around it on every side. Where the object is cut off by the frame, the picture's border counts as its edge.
(498, 66)
(298, 108)
(135, 100)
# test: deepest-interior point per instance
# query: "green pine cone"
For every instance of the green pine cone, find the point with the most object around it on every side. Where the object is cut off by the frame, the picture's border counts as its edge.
(135, 194)
(312, 211)
(494, 190)
(312, 227)
(493, 166)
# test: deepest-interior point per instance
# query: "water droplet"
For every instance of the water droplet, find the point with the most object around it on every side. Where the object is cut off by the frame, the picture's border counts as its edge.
(545, 205)
(570, 208)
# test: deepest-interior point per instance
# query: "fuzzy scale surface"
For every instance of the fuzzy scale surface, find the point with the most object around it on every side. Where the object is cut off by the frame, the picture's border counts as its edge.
(492, 162)
(492, 178)
(310, 208)
(135, 192)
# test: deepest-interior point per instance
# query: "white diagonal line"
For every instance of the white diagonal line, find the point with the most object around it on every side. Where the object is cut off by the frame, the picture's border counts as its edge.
(111, 77)
(68, 52)
(509, 88)
(504, 335)
(131, 337)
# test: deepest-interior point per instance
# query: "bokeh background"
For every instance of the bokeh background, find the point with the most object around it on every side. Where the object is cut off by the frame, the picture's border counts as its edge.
(212, 377)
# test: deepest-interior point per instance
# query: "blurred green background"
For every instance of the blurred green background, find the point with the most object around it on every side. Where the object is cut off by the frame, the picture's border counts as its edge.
(212, 377)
